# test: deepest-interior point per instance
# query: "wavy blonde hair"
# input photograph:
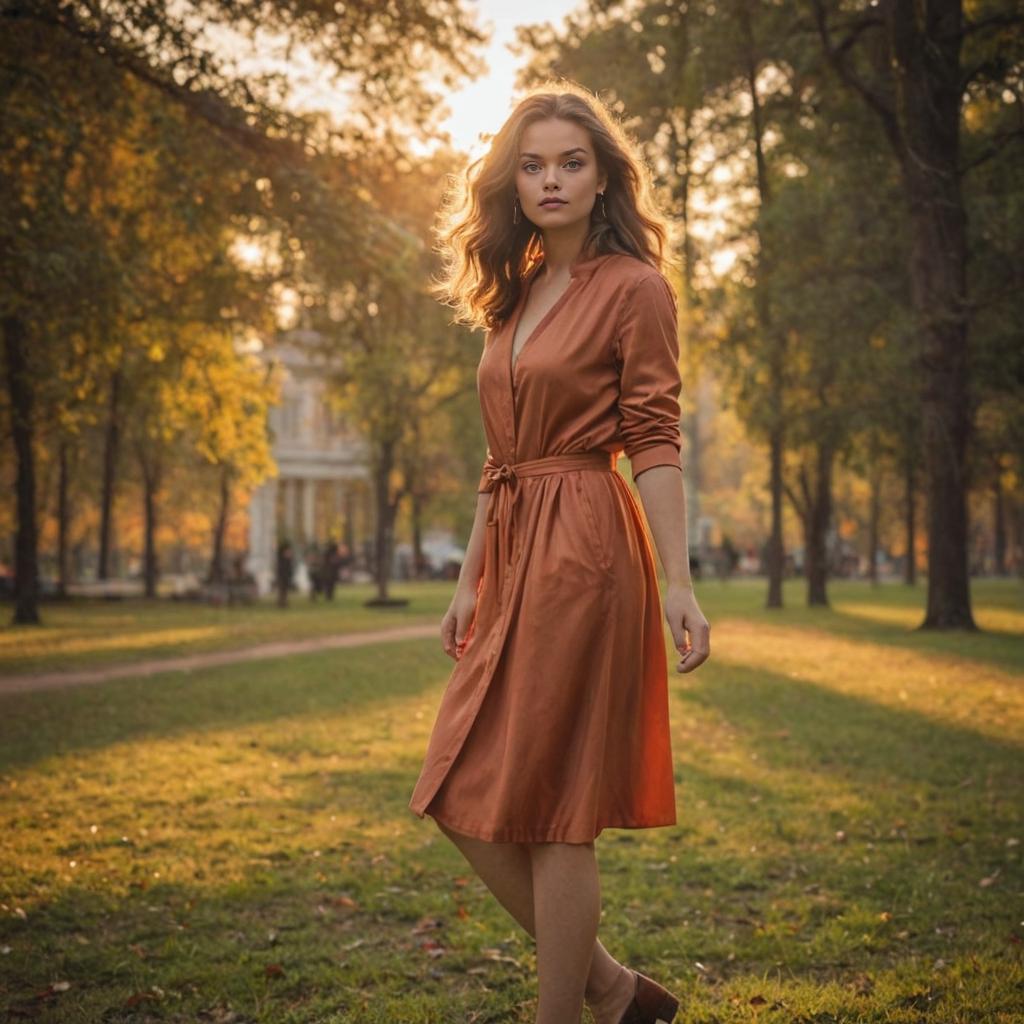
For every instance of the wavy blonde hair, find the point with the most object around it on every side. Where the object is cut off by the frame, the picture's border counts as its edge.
(485, 255)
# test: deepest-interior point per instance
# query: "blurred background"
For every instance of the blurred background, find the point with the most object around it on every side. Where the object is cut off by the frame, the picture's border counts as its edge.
(221, 364)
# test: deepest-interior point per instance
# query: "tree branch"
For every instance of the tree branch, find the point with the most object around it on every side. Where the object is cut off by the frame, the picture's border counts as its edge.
(837, 58)
(1000, 140)
(1003, 19)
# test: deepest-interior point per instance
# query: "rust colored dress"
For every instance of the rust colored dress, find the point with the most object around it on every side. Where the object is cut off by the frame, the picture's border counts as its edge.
(554, 723)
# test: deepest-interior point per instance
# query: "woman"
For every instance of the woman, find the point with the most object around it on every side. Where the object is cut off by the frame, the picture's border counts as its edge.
(554, 723)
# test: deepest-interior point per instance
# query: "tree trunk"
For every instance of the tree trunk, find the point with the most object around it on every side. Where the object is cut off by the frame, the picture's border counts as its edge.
(217, 573)
(418, 559)
(918, 95)
(776, 552)
(63, 521)
(874, 511)
(1015, 517)
(110, 453)
(26, 543)
(910, 522)
(938, 267)
(998, 526)
(926, 60)
(150, 489)
(818, 519)
(691, 427)
(384, 525)
(762, 302)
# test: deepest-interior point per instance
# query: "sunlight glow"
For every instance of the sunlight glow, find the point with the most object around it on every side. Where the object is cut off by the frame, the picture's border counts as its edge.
(471, 114)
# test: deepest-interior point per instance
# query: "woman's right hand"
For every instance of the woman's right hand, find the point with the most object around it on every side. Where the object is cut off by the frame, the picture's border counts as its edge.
(457, 622)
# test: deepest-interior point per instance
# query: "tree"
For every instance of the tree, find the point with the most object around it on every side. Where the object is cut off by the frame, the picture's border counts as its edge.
(905, 62)
(393, 360)
(70, 67)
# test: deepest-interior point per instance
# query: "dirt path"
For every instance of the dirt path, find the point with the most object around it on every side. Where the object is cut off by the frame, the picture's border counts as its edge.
(33, 681)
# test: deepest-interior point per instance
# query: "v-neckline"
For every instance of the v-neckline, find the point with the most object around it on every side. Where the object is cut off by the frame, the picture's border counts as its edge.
(514, 358)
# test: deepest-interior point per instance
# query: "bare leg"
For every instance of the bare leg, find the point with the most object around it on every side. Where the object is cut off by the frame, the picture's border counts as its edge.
(567, 908)
(507, 871)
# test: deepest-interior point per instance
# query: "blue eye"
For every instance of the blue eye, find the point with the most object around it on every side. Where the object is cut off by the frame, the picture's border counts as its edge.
(571, 160)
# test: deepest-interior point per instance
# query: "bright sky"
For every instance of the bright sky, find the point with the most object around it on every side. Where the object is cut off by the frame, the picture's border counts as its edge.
(479, 106)
(483, 106)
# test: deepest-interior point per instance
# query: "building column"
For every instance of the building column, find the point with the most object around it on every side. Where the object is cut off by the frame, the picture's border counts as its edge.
(308, 511)
(290, 513)
(263, 534)
(338, 509)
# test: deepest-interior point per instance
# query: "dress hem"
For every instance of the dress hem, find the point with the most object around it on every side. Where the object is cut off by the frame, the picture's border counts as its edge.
(500, 834)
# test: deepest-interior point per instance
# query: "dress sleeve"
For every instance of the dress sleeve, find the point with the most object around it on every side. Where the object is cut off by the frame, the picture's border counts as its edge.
(647, 354)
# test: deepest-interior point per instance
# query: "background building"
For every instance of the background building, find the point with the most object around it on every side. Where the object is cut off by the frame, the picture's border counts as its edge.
(322, 490)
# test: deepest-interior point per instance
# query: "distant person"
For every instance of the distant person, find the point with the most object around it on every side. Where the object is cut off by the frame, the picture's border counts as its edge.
(313, 570)
(345, 563)
(242, 581)
(331, 563)
(729, 557)
(422, 570)
(285, 572)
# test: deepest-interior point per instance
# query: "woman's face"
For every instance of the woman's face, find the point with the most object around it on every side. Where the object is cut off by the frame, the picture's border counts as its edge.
(557, 161)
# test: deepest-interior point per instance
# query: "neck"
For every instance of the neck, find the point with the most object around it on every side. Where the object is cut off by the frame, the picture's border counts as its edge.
(561, 251)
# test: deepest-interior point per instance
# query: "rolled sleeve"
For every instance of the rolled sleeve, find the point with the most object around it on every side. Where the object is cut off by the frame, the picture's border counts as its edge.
(647, 354)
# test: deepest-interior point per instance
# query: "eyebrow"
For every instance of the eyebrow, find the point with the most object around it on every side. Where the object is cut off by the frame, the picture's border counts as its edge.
(575, 149)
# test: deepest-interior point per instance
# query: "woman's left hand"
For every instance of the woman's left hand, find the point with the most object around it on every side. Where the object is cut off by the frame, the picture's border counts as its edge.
(691, 632)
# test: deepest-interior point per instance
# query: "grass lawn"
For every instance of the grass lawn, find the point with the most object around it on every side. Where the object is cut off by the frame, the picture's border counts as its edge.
(89, 633)
(234, 845)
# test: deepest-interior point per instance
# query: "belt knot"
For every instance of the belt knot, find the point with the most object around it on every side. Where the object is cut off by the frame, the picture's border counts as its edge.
(495, 474)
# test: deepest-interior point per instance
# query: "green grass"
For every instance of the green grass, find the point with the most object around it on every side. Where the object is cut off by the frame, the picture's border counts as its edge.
(235, 845)
(87, 633)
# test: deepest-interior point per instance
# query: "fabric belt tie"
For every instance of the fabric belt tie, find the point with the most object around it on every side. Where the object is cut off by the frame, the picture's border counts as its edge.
(506, 477)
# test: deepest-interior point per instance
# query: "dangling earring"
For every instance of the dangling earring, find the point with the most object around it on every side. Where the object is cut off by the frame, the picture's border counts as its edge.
(603, 212)
(515, 209)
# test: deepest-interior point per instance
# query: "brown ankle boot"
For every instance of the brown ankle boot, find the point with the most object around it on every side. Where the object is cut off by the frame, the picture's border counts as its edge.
(651, 1003)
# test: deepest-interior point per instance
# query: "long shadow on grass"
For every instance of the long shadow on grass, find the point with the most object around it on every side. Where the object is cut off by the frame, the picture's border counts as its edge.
(1003, 649)
(35, 726)
(312, 937)
(865, 743)
(280, 946)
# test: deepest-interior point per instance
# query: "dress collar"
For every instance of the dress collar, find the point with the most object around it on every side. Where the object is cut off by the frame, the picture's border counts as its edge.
(583, 268)
(580, 267)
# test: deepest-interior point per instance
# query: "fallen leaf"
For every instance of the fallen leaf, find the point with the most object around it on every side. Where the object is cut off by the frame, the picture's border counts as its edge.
(139, 997)
(499, 957)
(426, 924)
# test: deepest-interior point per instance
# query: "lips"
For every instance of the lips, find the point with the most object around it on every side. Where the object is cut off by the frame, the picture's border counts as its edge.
(553, 202)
